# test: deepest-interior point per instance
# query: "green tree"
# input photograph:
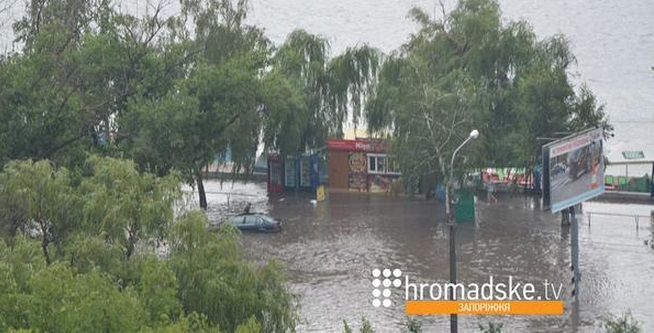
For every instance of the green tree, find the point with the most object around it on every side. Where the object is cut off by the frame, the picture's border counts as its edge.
(332, 89)
(469, 70)
(286, 115)
(37, 197)
(19, 261)
(126, 206)
(85, 253)
(215, 280)
(115, 202)
(90, 79)
(81, 231)
(87, 281)
(187, 324)
(213, 108)
(64, 302)
(157, 289)
(80, 64)
(250, 326)
(216, 109)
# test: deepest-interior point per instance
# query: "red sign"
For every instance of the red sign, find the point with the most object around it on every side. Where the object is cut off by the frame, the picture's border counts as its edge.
(362, 145)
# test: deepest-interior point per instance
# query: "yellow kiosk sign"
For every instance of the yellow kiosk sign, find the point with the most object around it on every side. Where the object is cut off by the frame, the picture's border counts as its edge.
(320, 193)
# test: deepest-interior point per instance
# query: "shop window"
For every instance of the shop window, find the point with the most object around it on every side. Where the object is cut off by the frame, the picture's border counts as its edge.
(372, 164)
(382, 164)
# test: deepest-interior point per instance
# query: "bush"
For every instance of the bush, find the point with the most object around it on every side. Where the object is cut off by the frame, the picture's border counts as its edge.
(413, 326)
(624, 324)
(491, 328)
(366, 326)
(65, 302)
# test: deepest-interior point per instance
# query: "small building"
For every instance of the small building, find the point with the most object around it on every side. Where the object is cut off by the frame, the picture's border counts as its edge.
(360, 165)
(299, 172)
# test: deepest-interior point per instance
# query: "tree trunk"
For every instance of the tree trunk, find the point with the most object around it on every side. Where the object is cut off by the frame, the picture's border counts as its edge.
(131, 242)
(45, 242)
(201, 193)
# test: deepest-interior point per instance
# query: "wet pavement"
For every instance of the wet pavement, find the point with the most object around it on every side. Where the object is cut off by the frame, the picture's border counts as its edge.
(329, 251)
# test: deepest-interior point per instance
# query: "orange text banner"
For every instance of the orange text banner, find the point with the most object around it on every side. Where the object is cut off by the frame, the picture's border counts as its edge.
(534, 308)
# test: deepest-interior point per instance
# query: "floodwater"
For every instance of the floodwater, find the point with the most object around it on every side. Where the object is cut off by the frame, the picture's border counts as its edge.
(330, 250)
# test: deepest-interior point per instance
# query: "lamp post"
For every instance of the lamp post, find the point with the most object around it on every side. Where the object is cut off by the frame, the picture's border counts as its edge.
(454, 327)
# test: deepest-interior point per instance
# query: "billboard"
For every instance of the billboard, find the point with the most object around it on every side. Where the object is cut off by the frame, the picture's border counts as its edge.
(573, 169)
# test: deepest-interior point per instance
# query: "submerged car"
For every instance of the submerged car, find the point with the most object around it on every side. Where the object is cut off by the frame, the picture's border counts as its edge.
(254, 222)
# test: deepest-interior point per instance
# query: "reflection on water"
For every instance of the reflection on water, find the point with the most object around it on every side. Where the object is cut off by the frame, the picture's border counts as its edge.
(329, 251)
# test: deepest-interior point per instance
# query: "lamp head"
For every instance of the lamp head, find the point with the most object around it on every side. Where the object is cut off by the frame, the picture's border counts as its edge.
(474, 134)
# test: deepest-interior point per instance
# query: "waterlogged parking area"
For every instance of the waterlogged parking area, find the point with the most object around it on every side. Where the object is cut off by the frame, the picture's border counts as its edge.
(330, 250)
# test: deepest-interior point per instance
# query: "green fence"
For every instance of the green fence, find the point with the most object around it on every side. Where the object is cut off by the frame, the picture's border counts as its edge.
(628, 184)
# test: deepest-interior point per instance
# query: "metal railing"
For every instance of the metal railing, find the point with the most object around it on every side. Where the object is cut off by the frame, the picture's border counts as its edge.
(636, 217)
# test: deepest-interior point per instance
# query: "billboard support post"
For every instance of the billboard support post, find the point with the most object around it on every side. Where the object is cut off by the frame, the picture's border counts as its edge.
(574, 252)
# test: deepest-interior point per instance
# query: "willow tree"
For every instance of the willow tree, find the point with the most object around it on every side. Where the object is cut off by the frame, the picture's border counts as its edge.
(285, 108)
(333, 90)
(302, 61)
(351, 77)
(56, 204)
(66, 265)
(469, 70)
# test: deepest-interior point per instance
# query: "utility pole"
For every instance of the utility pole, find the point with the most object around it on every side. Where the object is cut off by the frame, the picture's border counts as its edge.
(449, 212)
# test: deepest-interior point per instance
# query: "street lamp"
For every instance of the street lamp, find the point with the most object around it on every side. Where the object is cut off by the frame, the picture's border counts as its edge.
(454, 327)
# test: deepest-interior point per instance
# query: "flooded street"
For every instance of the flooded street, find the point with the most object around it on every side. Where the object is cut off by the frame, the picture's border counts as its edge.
(329, 251)
(107, 105)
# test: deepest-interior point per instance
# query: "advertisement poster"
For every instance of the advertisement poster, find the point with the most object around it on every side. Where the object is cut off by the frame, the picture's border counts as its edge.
(575, 169)
(381, 183)
(357, 177)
